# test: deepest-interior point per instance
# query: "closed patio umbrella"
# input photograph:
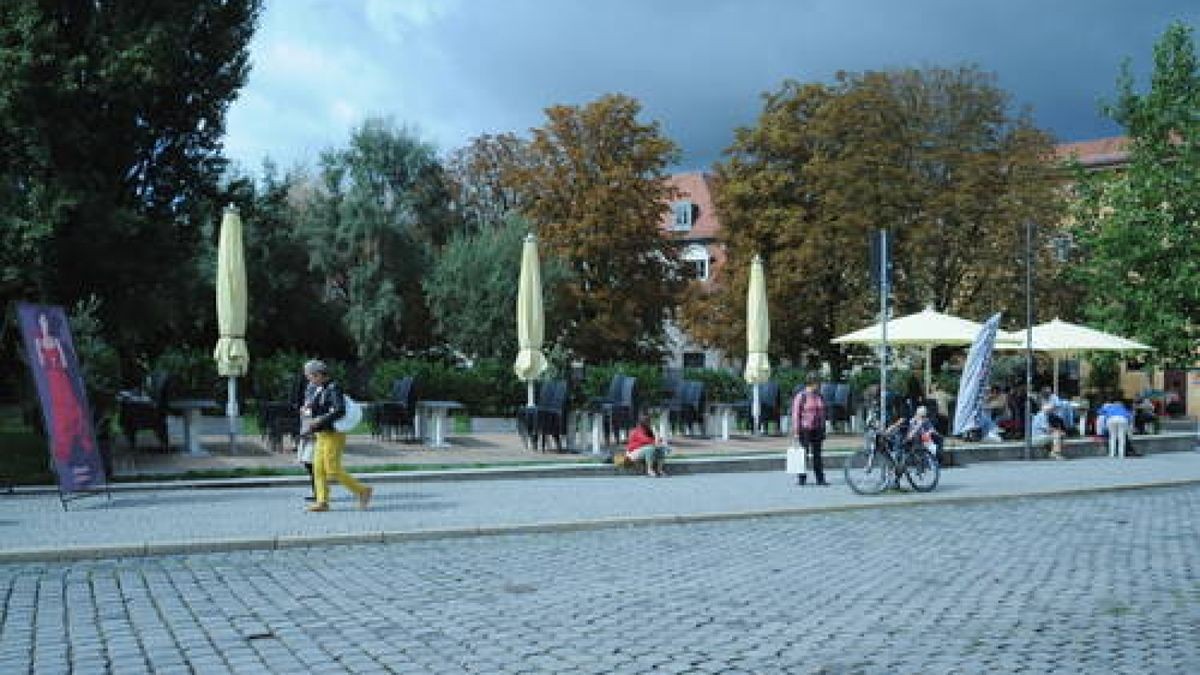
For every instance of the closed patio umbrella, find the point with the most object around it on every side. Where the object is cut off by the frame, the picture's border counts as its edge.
(231, 354)
(758, 333)
(531, 318)
(974, 379)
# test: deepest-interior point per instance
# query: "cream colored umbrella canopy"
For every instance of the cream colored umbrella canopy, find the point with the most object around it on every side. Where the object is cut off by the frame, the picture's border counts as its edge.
(927, 328)
(531, 318)
(758, 333)
(1060, 338)
(231, 353)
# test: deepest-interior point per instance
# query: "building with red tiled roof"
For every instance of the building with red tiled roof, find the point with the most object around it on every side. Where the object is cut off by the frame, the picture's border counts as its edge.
(1096, 154)
(692, 221)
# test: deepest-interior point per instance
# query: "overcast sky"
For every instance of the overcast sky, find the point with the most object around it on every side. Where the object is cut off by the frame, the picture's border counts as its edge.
(454, 69)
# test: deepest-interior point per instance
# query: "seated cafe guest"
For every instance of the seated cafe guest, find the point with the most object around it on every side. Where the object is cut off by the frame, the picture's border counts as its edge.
(1143, 415)
(1049, 430)
(921, 431)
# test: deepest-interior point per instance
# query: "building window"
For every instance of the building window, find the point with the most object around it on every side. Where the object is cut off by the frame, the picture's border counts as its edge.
(683, 210)
(695, 262)
(693, 359)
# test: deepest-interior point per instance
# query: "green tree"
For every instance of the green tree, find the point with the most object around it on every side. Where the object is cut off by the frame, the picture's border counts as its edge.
(286, 311)
(372, 222)
(595, 188)
(111, 119)
(931, 155)
(472, 291)
(1139, 231)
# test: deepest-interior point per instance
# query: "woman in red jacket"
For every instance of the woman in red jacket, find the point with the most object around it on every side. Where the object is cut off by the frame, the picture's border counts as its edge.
(643, 445)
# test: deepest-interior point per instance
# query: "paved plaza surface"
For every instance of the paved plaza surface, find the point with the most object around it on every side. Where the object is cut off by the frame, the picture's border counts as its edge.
(1090, 565)
(1103, 582)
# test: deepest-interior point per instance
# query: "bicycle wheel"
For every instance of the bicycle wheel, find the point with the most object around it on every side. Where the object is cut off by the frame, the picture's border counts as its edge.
(922, 470)
(868, 472)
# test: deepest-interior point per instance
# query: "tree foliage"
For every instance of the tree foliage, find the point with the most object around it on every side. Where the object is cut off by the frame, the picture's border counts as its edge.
(285, 310)
(1140, 230)
(595, 188)
(111, 119)
(482, 180)
(472, 290)
(931, 155)
(372, 222)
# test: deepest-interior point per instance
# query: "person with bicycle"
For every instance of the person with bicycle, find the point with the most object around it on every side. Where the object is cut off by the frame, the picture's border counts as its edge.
(922, 433)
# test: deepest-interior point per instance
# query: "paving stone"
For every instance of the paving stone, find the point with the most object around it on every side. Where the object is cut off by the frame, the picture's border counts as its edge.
(1092, 583)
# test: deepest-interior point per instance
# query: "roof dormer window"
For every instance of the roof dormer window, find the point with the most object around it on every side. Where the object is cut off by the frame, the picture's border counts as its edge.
(684, 211)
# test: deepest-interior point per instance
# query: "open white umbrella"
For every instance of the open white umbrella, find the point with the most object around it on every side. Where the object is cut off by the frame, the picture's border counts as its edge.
(1060, 338)
(927, 328)
(758, 333)
(530, 361)
(231, 354)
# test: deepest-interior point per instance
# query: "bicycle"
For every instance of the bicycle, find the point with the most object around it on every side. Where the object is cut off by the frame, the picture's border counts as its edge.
(887, 457)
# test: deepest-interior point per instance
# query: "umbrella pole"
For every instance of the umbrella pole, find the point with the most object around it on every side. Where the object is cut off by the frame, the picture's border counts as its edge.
(757, 407)
(231, 410)
(928, 369)
(1055, 374)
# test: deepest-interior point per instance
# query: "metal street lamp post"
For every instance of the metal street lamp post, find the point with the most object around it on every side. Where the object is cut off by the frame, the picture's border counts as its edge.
(1028, 339)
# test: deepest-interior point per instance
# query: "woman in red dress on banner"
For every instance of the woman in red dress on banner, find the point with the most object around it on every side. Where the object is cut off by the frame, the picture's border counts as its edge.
(68, 427)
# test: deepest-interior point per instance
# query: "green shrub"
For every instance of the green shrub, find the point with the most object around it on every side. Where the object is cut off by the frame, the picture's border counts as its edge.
(720, 386)
(489, 388)
(271, 374)
(193, 372)
(598, 378)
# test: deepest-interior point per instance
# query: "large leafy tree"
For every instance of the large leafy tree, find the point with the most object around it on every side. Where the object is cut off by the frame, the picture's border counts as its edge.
(931, 155)
(285, 312)
(482, 180)
(111, 118)
(595, 188)
(373, 220)
(1139, 231)
(472, 290)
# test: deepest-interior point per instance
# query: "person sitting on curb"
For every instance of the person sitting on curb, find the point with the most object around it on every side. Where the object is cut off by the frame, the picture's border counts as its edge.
(1049, 430)
(921, 433)
(643, 445)
(1144, 418)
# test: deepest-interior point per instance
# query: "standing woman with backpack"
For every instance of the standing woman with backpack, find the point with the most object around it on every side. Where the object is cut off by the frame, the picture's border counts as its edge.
(327, 406)
(808, 425)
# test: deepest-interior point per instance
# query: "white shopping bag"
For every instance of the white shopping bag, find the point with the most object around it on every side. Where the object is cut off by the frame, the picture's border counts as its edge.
(797, 460)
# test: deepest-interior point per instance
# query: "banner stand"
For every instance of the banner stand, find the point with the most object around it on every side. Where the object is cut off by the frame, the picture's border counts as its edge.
(71, 444)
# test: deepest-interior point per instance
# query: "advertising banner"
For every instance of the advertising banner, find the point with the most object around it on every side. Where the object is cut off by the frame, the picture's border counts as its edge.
(50, 353)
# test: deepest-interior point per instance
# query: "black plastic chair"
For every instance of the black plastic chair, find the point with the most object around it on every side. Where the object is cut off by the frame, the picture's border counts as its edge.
(553, 413)
(839, 406)
(395, 418)
(619, 409)
(146, 409)
(768, 407)
(693, 403)
(279, 414)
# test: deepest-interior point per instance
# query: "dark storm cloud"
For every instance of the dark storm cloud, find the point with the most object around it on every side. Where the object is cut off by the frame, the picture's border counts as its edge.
(458, 69)
(700, 67)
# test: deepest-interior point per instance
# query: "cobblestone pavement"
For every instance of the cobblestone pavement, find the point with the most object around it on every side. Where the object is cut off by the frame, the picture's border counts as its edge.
(1098, 583)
